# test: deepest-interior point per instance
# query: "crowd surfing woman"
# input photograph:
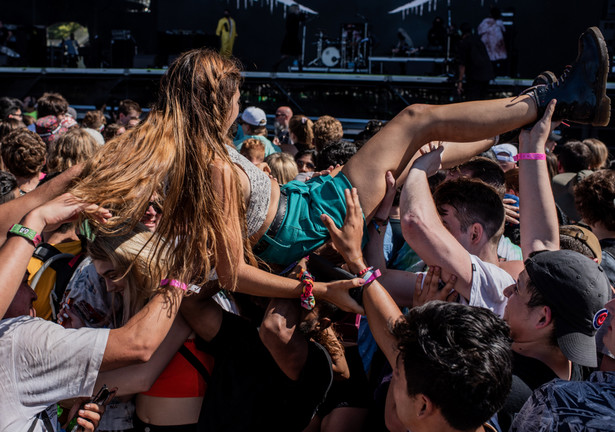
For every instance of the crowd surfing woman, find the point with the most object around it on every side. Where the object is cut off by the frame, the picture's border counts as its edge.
(218, 207)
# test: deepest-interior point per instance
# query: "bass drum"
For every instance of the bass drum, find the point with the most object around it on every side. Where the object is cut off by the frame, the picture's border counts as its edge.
(330, 56)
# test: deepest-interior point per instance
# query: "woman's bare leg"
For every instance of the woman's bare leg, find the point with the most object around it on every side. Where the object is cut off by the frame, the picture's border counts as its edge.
(393, 147)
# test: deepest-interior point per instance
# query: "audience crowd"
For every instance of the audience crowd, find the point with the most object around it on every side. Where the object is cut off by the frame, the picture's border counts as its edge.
(464, 285)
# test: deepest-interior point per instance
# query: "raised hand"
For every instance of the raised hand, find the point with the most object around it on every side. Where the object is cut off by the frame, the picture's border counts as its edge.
(430, 160)
(63, 209)
(534, 141)
(431, 289)
(512, 211)
(337, 292)
(389, 196)
(347, 239)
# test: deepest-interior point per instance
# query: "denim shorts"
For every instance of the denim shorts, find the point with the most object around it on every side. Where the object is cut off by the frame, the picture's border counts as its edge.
(302, 231)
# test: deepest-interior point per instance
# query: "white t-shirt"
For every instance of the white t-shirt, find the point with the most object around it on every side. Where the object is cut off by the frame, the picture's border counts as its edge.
(508, 250)
(488, 283)
(41, 364)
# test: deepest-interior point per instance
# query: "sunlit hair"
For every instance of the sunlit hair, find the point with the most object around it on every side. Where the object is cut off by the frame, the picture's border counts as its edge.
(594, 198)
(9, 125)
(600, 153)
(113, 130)
(176, 148)
(474, 201)
(94, 120)
(283, 167)
(302, 128)
(253, 149)
(51, 104)
(327, 129)
(23, 153)
(129, 255)
(70, 149)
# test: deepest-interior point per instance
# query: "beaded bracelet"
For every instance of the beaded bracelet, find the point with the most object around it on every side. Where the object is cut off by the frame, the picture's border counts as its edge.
(307, 297)
(174, 283)
(365, 270)
(530, 156)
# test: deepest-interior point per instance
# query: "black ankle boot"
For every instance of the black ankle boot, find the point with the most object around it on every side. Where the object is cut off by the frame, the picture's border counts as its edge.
(581, 90)
(545, 78)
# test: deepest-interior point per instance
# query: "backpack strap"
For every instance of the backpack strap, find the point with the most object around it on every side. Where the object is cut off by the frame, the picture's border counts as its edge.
(46, 421)
(44, 251)
(195, 362)
(46, 265)
(64, 265)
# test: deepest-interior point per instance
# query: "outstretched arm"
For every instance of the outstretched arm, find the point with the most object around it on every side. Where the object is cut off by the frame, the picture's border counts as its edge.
(455, 153)
(139, 378)
(141, 336)
(458, 153)
(380, 308)
(13, 211)
(134, 342)
(16, 252)
(423, 229)
(539, 225)
(400, 284)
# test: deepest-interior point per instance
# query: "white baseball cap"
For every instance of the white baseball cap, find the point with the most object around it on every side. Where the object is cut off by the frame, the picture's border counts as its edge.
(254, 116)
(505, 152)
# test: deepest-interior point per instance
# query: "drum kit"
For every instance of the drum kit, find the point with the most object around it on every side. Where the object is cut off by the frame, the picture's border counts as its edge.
(350, 51)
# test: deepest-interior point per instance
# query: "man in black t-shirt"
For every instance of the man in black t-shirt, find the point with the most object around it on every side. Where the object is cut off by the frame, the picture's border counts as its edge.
(269, 378)
(474, 65)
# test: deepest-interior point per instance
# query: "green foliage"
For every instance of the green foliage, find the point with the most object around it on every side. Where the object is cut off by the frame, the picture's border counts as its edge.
(63, 30)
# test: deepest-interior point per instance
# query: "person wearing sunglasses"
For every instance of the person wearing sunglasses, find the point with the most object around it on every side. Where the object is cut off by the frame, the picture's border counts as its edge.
(306, 161)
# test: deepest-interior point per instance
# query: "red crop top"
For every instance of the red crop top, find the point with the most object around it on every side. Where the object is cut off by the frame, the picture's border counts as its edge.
(180, 378)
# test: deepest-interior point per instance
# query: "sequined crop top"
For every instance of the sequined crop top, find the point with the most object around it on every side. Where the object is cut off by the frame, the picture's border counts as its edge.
(260, 191)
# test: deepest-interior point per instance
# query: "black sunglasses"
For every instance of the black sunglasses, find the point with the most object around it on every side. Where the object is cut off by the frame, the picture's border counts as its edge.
(155, 206)
(310, 165)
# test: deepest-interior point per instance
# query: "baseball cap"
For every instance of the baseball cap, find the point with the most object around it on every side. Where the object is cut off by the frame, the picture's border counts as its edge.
(51, 127)
(254, 116)
(576, 289)
(505, 152)
(555, 135)
(585, 236)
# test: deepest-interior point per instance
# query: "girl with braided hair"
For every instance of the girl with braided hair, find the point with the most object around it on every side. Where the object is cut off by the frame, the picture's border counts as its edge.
(219, 210)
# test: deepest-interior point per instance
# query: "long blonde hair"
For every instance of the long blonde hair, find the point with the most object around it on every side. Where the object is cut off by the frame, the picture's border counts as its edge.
(175, 149)
(129, 253)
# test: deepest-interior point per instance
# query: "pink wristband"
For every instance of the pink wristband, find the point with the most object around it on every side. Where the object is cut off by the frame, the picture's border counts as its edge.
(174, 283)
(530, 156)
(371, 275)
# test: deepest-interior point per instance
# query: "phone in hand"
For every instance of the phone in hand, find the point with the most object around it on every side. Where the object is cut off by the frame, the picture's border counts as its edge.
(102, 399)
